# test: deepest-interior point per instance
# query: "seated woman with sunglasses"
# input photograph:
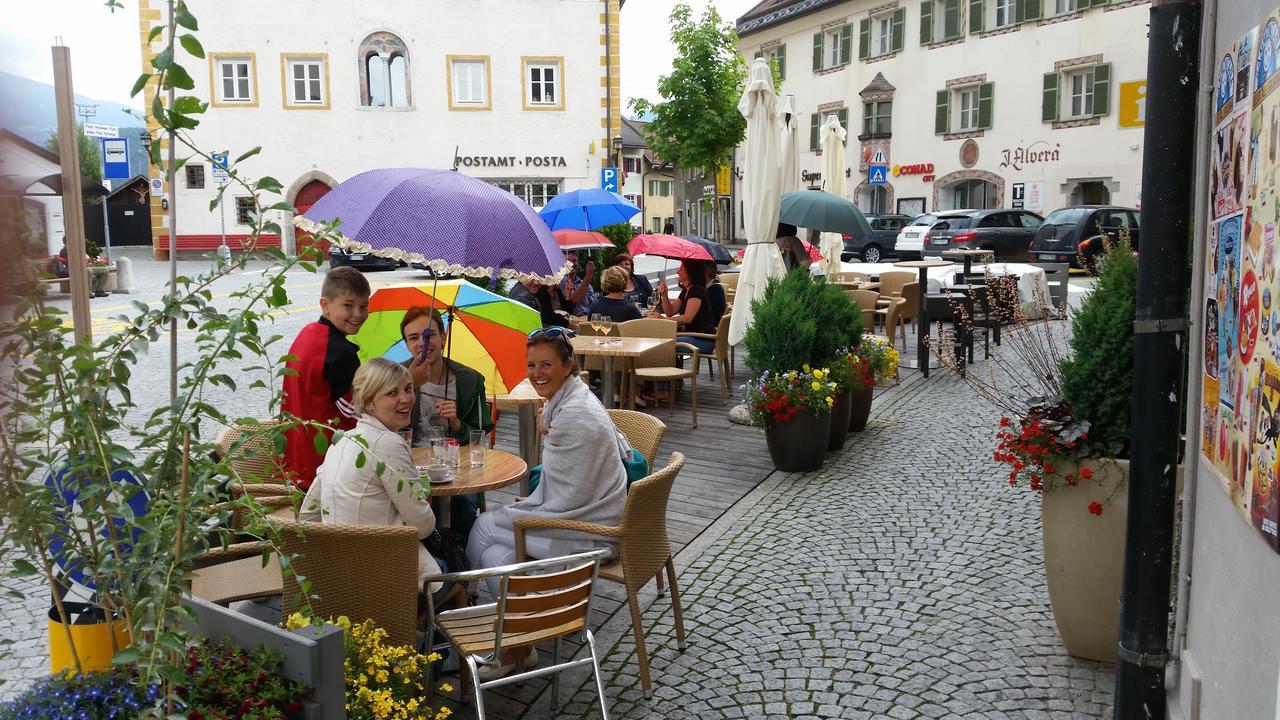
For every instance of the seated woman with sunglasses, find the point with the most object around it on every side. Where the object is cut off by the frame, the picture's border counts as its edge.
(452, 399)
(583, 477)
(351, 491)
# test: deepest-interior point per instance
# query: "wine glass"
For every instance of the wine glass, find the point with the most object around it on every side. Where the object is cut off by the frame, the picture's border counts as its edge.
(597, 324)
(606, 327)
(653, 302)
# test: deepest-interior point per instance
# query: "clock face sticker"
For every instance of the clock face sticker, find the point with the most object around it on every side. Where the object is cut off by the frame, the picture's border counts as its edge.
(1268, 47)
(1226, 80)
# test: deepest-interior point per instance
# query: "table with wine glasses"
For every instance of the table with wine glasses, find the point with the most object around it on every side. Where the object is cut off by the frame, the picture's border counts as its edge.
(608, 349)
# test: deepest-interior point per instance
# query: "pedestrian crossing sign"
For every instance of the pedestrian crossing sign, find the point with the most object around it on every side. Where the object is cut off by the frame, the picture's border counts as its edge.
(877, 174)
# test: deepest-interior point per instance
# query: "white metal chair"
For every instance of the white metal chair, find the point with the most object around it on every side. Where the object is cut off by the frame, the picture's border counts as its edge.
(537, 601)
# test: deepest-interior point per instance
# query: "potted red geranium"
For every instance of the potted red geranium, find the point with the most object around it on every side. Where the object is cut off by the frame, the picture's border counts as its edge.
(794, 408)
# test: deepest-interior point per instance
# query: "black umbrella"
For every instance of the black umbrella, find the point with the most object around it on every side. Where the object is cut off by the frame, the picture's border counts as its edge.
(718, 251)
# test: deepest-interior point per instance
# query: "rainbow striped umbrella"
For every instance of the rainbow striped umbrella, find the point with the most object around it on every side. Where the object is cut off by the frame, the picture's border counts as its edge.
(487, 331)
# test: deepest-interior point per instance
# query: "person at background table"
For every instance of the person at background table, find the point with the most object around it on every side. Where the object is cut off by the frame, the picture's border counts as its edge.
(669, 228)
(354, 492)
(614, 304)
(793, 253)
(692, 310)
(638, 289)
(715, 292)
(319, 387)
(577, 291)
(583, 477)
(544, 299)
(451, 398)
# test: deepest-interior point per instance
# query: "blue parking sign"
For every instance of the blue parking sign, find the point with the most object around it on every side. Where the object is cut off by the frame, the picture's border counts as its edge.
(609, 179)
(877, 174)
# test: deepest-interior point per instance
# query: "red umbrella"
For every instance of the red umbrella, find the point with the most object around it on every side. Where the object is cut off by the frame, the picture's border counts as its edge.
(580, 240)
(668, 246)
(814, 253)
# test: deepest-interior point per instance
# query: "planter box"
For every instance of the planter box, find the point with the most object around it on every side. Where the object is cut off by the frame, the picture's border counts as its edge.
(311, 656)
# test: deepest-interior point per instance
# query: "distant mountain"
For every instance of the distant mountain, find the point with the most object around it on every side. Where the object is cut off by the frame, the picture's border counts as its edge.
(28, 108)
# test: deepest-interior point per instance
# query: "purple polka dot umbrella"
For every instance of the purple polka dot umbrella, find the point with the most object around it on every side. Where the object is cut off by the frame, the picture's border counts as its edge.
(449, 222)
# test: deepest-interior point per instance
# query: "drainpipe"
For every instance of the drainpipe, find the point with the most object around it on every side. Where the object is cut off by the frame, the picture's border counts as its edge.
(1192, 450)
(1160, 322)
(608, 85)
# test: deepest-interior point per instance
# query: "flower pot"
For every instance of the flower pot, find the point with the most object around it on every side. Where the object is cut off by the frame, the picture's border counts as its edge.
(840, 420)
(860, 408)
(1084, 557)
(799, 444)
(91, 635)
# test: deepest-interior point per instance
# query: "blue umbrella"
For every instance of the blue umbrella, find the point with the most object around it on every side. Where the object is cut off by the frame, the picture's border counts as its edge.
(587, 210)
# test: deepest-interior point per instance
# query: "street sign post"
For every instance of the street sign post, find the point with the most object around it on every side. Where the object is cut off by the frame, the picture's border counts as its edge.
(877, 174)
(115, 166)
(1018, 196)
(221, 177)
(100, 130)
(609, 179)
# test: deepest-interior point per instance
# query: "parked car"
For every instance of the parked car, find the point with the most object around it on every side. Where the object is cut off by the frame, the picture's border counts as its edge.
(362, 262)
(1074, 234)
(882, 241)
(1007, 232)
(910, 241)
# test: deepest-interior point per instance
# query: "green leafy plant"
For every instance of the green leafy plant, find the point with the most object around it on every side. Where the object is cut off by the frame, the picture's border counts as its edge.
(1097, 380)
(837, 319)
(880, 355)
(227, 683)
(113, 694)
(777, 397)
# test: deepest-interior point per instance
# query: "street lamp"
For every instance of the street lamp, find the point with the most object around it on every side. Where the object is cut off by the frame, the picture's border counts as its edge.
(617, 151)
(145, 139)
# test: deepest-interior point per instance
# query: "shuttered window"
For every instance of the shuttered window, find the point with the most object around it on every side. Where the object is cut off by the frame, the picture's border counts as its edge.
(1076, 94)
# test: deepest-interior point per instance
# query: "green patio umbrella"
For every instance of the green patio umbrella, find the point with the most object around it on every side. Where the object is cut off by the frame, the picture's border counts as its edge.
(819, 210)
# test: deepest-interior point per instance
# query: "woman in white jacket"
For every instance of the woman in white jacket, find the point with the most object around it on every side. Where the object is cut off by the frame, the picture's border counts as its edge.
(347, 492)
(583, 477)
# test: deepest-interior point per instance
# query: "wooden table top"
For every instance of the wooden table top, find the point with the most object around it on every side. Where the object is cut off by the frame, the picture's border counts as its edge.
(923, 263)
(522, 394)
(500, 470)
(619, 347)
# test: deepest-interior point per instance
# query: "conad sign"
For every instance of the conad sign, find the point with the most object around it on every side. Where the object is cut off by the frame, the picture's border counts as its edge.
(921, 169)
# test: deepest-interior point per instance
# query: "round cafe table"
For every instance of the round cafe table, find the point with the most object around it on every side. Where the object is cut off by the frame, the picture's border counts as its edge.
(922, 327)
(500, 469)
(967, 255)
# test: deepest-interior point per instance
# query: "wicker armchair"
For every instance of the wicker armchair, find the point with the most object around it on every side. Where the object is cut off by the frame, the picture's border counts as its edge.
(237, 572)
(866, 300)
(644, 432)
(250, 452)
(908, 310)
(892, 283)
(361, 571)
(658, 365)
(643, 549)
(719, 355)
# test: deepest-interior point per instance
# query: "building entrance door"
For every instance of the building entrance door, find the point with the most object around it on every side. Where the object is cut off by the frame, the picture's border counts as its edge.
(968, 195)
(309, 195)
(1093, 192)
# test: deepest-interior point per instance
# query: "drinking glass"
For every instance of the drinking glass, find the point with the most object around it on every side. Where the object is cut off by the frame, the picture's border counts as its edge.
(452, 453)
(436, 444)
(653, 301)
(476, 448)
(597, 322)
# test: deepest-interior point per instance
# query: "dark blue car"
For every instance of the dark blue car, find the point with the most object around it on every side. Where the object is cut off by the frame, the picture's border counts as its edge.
(880, 244)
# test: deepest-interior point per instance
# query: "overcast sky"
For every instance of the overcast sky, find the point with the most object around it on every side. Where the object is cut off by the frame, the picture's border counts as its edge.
(106, 59)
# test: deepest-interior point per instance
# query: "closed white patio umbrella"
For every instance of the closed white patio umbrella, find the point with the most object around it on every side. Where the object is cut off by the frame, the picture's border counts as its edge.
(833, 182)
(790, 153)
(761, 195)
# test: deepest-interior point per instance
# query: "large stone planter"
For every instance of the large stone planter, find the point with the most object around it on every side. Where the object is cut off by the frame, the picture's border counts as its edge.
(1084, 557)
(800, 444)
(840, 411)
(860, 409)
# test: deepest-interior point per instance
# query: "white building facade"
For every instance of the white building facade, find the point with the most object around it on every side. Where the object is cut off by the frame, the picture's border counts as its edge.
(1035, 104)
(521, 94)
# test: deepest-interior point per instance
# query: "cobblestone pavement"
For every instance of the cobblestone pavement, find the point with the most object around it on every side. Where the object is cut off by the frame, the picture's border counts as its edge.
(902, 581)
(23, 604)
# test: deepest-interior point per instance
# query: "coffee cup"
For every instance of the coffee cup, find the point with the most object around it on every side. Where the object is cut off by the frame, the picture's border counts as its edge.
(437, 472)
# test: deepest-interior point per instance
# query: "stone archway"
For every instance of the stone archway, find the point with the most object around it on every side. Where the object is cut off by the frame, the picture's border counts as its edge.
(951, 178)
(302, 194)
(863, 187)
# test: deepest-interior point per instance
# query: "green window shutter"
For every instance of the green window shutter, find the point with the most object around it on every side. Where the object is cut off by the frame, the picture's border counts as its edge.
(1102, 89)
(942, 120)
(846, 43)
(817, 51)
(1030, 10)
(898, 27)
(781, 57)
(864, 38)
(1049, 98)
(815, 120)
(843, 116)
(868, 118)
(926, 22)
(951, 19)
(1098, 3)
(977, 16)
(986, 99)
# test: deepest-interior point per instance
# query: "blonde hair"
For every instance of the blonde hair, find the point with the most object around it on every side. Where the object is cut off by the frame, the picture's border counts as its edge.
(375, 378)
(613, 280)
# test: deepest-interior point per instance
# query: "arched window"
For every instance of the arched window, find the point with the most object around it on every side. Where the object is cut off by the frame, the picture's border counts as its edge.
(384, 71)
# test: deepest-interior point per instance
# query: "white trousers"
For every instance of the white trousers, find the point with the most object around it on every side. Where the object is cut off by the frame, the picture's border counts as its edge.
(493, 544)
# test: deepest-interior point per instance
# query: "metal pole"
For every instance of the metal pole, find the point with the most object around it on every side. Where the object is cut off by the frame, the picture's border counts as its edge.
(72, 200)
(1159, 325)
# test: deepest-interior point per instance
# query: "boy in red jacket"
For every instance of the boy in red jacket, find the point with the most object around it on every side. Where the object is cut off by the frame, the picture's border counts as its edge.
(325, 362)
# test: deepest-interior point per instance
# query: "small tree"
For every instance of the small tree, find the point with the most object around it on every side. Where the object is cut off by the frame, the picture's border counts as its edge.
(1097, 380)
(90, 154)
(697, 124)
